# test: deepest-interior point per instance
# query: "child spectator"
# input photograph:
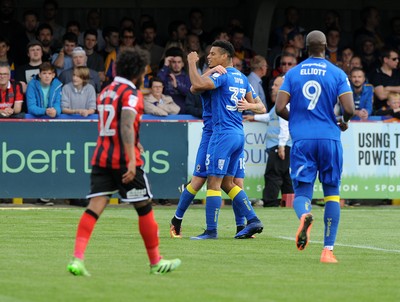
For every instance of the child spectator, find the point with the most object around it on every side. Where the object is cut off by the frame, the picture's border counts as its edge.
(79, 96)
(43, 94)
(393, 106)
(157, 103)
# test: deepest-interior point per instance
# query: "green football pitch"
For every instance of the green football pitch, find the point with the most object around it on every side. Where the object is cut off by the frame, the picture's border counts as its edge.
(36, 245)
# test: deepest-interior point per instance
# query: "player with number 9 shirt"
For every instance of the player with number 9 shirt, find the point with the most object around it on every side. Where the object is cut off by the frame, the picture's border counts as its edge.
(313, 88)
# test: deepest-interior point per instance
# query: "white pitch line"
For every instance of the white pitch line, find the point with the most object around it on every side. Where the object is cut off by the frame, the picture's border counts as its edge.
(365, 247)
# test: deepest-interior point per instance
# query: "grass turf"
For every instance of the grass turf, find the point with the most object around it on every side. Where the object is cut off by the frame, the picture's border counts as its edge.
(36, 245)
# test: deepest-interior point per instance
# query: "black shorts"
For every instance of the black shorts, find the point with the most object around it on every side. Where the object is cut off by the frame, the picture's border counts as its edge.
(106, 182)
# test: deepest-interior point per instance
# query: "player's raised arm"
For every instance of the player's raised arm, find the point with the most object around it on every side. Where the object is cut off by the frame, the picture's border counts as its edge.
(199, 83)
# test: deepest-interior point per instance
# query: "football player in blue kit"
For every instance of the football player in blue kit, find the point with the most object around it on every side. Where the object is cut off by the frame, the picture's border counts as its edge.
(313, 88)
(227, 140)
(200, 175)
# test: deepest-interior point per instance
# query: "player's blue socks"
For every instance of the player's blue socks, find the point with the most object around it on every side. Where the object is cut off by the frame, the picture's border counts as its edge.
(239, 218)
(331, 220)
(239, 197)
(185, 200)
(301, 205)
(213, 206)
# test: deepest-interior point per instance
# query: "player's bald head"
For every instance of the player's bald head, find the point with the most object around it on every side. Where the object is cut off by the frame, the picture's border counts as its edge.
(315, 38)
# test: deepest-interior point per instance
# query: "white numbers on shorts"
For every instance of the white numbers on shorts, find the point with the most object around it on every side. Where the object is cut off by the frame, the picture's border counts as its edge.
(105, 129)
(312, 96)
(241, 163)
(207, 161)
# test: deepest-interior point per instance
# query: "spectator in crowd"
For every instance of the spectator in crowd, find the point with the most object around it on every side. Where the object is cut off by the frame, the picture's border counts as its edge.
(93, 21)
(127, 39)
(277, 176)
(194, 105)
(50, 16)
(12, 30)
(344, 64)
(363, 94)
(369, 56)
(25, 73)
(63, 59)
(356, 61)
(332, 20)
(277, 49)
(296, 39)
(127, 22)
(11, 95)
(287, 61)
(237, 63)
(258, 67)
(157, 103)
(333, 53)
(177, 31)
(149, 33)
(44, 35)
(237, 23)
(5, 57)
(144, 18)
(94, 59)
(174, 77)
(111, 38)
(392, 109)
(196, 26)
(30, 23)
(243, 53)
(79, 96)
(219, 33)
(43, 94)
(386, 78)
(371, 19)
(79, 58)
(192, 43)
(287, 49)
(74, 27)
(292, 19)
(393, 40)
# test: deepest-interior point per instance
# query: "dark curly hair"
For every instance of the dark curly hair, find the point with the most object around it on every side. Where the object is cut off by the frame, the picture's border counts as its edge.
(225, 46)
(131, 63)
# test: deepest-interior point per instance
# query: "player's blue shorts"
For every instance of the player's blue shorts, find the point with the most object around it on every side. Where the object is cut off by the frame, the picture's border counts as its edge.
(224, 154)
(200, 164)
(325, 156)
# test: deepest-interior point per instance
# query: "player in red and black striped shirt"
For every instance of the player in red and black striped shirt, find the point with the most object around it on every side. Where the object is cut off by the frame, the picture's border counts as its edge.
(117, 163)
